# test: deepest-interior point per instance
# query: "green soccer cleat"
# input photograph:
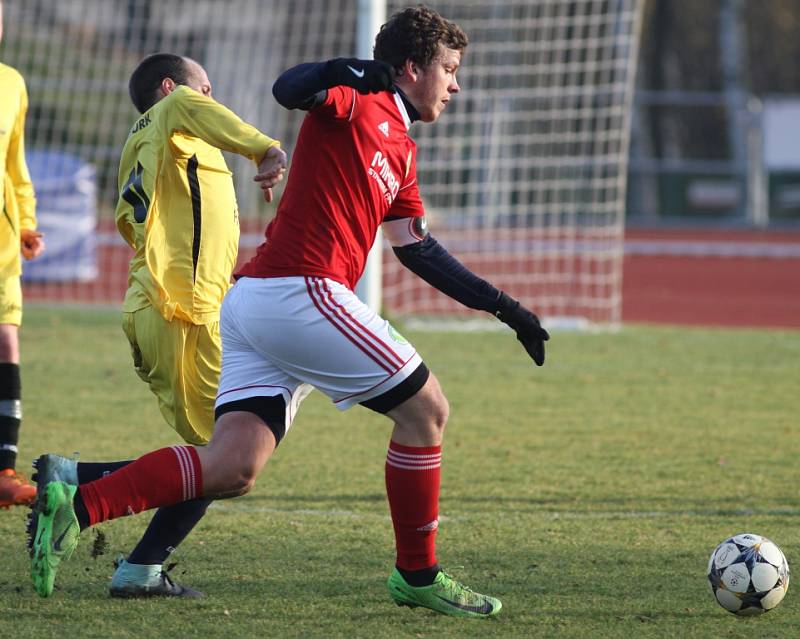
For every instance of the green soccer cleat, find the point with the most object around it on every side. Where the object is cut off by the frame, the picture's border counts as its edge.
(444, 595)
(55, 531)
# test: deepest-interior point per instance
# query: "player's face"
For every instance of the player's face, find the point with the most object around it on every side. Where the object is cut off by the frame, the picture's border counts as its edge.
(197, 79)
(436, 83)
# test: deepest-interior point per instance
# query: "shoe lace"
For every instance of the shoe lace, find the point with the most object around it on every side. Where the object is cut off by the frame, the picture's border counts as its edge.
(167, 579)
(457, 591)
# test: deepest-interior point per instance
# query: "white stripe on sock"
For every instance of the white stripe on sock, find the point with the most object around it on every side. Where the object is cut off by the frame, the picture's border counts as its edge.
(180, 454)
(406, 467)
(410, 457)
(11, 408)
(414, 459)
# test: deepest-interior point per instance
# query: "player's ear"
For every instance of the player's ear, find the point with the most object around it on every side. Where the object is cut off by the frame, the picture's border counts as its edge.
(167, 86)
(410, 70)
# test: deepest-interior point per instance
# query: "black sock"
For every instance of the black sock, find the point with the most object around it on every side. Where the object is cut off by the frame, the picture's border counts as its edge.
(80, 510)
(10, 414)
(89, 471)
(167, 529)
(419, 578)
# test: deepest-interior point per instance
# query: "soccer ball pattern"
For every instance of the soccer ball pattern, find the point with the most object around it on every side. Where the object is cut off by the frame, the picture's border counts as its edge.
(748, 574)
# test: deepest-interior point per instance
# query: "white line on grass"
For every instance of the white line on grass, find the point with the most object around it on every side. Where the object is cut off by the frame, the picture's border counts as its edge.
(663, 514)
(311, 512)
(569, 514)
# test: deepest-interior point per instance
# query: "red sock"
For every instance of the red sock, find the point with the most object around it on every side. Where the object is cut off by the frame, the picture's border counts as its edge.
(161, 478)
(412, 485)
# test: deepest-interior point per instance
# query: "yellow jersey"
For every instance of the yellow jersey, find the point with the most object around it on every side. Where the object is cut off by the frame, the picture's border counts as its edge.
(16, 190)
(177, 207)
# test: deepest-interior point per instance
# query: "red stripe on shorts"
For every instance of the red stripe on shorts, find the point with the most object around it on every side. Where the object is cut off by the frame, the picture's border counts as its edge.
(339, 327)
(391, 357)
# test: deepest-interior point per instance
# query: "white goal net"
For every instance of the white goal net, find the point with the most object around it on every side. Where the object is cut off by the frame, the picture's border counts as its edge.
(523, 176)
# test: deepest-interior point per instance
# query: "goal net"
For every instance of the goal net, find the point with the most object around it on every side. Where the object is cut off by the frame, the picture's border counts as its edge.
(523, 177)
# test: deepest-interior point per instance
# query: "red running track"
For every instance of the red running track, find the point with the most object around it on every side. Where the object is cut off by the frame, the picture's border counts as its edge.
(693, 277)
(699, 277)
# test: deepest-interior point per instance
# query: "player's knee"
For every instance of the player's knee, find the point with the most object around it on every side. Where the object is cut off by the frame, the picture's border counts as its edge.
(241, 485)
(425, 413)
(234, 457)
(438, 413)
(241, 477)
(441, 413)
(434, 404)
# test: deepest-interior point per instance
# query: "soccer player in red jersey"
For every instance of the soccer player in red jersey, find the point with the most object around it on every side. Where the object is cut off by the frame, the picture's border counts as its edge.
(292, 322)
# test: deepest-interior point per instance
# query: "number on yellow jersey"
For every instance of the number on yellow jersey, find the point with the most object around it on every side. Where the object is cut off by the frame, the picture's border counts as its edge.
(133, 193)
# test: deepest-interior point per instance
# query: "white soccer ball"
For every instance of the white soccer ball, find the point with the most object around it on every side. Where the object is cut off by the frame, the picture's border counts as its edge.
(748, 574)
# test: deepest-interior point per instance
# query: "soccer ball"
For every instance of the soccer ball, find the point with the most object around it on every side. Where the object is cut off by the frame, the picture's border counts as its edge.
(748, 574)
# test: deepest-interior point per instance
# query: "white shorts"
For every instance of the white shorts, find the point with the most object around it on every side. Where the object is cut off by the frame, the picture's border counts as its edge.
(283, 335)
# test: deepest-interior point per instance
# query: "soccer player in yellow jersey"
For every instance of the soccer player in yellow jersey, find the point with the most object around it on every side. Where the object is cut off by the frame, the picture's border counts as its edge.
(17, 235)
(177, 210)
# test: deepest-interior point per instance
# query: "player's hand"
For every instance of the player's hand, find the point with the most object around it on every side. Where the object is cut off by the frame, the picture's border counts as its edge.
(365, 76)
(526, 325)
(271, 170)
(31, 243)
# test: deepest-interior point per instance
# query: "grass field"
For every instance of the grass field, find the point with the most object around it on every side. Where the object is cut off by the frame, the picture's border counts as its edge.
(587, 494)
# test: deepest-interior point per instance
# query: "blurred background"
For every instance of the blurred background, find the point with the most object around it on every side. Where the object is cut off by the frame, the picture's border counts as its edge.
(607, 161)
(715, 111)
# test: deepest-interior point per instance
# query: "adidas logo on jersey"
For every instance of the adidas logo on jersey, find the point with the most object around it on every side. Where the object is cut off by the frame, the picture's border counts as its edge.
(383, 127)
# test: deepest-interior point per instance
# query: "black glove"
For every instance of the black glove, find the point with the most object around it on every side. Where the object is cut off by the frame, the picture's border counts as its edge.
(365, 76)
(525, 324)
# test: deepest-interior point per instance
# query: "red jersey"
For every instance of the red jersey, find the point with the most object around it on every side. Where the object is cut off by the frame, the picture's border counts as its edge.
(353, 166)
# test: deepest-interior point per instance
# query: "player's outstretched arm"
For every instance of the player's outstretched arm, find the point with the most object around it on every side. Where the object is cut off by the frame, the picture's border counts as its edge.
(205, 118)
(433, 263)
(305, 86)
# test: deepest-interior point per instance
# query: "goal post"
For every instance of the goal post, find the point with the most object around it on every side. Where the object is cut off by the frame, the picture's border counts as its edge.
(523, 176)
(371, 15)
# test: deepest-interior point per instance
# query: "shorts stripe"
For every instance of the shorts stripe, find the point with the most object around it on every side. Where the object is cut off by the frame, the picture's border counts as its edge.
(387, 351)
(317, 299)
(370, 339)
(240, 388)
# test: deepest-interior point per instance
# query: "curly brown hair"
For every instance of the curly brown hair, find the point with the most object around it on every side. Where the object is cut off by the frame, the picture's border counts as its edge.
(415, 33)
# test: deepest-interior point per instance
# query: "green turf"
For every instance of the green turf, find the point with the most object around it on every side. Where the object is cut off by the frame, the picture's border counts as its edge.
(587, 494)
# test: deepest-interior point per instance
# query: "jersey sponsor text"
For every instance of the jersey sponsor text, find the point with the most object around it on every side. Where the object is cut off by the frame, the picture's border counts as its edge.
(382, 173)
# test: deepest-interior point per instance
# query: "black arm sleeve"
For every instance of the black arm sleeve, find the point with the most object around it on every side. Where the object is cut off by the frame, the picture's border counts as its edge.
(431, 261)
(302, 87)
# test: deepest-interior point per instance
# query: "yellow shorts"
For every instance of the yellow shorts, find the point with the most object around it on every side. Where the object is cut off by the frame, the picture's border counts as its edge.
(181, 363)
(10, 300)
